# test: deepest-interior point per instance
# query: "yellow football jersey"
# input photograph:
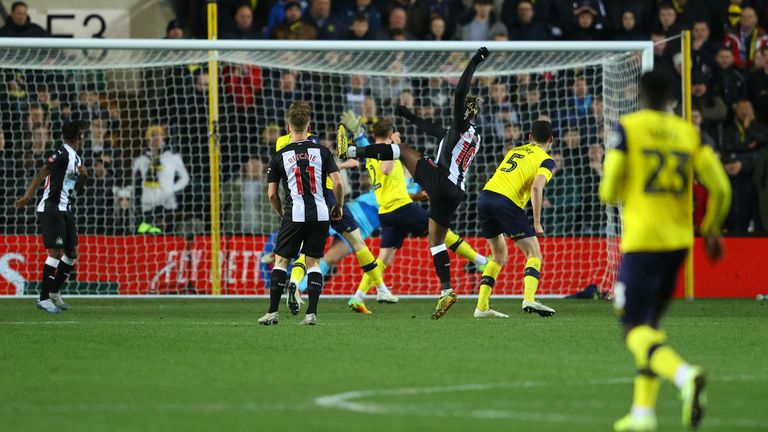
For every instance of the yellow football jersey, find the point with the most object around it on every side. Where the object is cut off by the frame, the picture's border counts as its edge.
(514, 177)
(391, 190)
(648, 168)
(285, 140)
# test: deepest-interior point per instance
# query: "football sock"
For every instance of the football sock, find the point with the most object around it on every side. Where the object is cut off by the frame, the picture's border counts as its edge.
(299, 269)
(62, 273)
(464, 249)
(366, 283)
(648, 345)
(531, 277)
(442, 265)
(277, 285)
(324, 269)
(376, 151)
(49, 277)
(369, 265)
(487, 282)
(646, 392)
(314, 287)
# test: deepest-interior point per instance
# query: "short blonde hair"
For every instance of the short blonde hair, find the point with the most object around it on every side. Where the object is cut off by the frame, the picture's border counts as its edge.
(298, 116)
(153, 129)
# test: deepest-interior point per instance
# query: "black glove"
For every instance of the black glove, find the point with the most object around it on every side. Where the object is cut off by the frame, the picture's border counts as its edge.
(482, 53)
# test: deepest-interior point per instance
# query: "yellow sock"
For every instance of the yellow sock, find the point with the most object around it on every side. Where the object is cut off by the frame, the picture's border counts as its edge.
(646, 391)
(486, 284)
(365, 282)
(299, 269)
(462, 248)
(665, 361)
(648, 346)
(368, 264)
(531, 277)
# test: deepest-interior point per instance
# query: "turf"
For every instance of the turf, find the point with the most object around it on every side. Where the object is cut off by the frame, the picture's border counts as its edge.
(194, 365)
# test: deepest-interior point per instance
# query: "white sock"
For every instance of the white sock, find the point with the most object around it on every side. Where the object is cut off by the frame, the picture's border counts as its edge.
(359, 296)
(352, 151)
(681, 375)
(446, 292)
(642, 411)
(480, 260)
(395, 151)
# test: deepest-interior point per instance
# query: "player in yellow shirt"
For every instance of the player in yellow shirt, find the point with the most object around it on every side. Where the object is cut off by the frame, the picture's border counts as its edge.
(652, 155)
(501, 210)
(348, 228)
(399, 215)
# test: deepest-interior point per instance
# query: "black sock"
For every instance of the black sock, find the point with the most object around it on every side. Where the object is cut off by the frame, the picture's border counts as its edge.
(442, 267)
(62, 274)
(314, 287)
(379, 151)
(277, 285)
(49, 276)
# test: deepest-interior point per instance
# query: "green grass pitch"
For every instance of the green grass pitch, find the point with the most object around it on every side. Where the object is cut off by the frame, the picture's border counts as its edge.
(204, 365)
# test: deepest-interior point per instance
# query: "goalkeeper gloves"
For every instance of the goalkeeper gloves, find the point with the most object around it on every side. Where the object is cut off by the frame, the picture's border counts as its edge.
(353, 123)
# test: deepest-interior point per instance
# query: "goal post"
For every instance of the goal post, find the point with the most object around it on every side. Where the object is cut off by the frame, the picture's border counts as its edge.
(148, 220)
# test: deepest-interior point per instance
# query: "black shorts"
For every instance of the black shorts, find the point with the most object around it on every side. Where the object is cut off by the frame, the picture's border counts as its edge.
(307, 237)
(499, 215)
(646, 283)
(444, 196)
(347, 222)
(58, 229)
(399, 223)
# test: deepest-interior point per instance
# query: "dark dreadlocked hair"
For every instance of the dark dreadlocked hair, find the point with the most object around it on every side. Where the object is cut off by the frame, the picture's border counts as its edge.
(472, 104)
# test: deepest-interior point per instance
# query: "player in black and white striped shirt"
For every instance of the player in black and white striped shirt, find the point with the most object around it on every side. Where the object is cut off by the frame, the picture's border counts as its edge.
(442, 178)
(302, 166)
(64, 174)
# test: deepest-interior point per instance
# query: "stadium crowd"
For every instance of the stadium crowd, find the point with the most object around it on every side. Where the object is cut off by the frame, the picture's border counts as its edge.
(149, 163)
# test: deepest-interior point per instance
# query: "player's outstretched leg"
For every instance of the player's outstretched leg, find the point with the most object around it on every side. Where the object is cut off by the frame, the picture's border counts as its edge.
(457, 244)
(491, 272)
(531, 275)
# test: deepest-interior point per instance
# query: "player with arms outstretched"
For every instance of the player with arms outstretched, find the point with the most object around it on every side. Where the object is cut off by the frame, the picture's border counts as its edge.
(64, 174)
(398, 213)
(501, 209)
(444, 178)
(652, 155)
(302, 166)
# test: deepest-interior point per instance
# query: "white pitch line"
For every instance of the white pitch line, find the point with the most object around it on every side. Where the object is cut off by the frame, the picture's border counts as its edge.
(37, 322)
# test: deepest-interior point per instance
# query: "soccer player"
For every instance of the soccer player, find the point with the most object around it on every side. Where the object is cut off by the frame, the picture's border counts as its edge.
(652, 155)
(64, 173)
(398, 213)
(348, 229)
(303, 167)
(442, 179)
(520, 178)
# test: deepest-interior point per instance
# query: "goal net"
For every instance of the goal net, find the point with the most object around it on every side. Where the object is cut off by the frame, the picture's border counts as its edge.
(144, 217)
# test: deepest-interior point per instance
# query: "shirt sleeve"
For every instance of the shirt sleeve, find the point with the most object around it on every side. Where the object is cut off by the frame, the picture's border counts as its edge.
(53, 159)
(329, 163)
(273, 170)
(547, 169)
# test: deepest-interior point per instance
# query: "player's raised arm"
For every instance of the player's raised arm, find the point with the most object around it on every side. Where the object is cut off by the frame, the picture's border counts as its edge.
(424, 125)
(462, 88)
(29, 195)
(614, 167)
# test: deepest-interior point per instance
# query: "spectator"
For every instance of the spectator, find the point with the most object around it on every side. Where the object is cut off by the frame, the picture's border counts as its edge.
(360, 29)
(174, 30)
(319, 15)
(480, 26)
(98, 148)
(757, 88)
(745, 39)
(158, 175)
(255, 213)
(703, 49)
(277, 15)
(579, 106)
(448, 10)
(597, 8)
(662, 59)
(586, 28)
(436, 28)
(356, 93)
(629, 30)
(369, 113)
(562, 199)
(698, 120)
(122, 211)
(526, 27)
(387, 88)
(666, 21)
(713, 108)
(18, 24)
(244, 27)
(368, 10)
(397, 23)
(690, 11)
(727, 82)
(98, 197)
(542, 10)
(642, 12)
(572, 149)
(293, 28)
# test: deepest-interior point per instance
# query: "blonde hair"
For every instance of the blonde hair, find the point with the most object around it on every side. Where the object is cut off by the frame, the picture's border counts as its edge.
(153, 129)
(298, 116)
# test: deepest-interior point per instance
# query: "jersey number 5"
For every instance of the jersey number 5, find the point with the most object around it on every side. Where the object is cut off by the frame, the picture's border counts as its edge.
(511, 162)
(300, 185)
(676, 185)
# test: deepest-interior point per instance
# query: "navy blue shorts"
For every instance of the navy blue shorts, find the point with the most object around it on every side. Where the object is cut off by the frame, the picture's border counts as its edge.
(444, 196)
(499, 215)
(398, 224)
(646, 283)
(347, 222)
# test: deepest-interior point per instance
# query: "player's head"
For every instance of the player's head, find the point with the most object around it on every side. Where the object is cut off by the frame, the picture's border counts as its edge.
(298, 117)
(656, 90)
(541, 133)
(73, 133)
(472, 106)
(382, 130)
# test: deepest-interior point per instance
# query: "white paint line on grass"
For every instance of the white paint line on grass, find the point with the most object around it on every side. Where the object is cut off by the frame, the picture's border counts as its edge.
(38, 322)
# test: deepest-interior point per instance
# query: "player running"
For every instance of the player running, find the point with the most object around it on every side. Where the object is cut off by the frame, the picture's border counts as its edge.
(303, 167)
(443, 179)
(399, 215)
(652, 155)
(64, 174)
(501, 210)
